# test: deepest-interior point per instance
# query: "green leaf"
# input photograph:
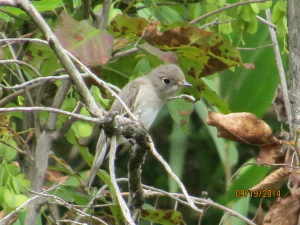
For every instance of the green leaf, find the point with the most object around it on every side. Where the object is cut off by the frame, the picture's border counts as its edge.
(166, 217)
(129, 26)
(265, 5)
(255, 7)
(178, 140)
(180, 111)
(251, 27)
(281, 27)
(21, 182)
(45, 5)
(238, 25)
(13, 200)
(2, 194)
(201, 89)
(227, 150)
(209, 8)
(8, 152)
(82, 128)
(241, 206)
(247, 178)
(282, 5)
(68, 104)
(277, 13)
(72, 194)
(76, 3)
(221, 3)
(225, 28)
(241, 89)
(42, 57)
(247, 13)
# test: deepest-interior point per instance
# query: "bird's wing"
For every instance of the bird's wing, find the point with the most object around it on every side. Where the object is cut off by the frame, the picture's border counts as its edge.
(101, 151)
(128, 95)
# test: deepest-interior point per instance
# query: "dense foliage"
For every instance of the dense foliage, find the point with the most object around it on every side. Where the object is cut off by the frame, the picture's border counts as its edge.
(224, 49)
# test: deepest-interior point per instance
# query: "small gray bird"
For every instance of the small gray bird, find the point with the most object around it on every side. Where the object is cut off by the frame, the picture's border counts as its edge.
(145, 95)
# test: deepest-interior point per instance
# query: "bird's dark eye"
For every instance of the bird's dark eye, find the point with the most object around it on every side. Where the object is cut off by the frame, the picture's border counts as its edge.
(166, 81)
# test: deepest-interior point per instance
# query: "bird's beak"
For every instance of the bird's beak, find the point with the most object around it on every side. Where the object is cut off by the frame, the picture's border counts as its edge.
(184, 83)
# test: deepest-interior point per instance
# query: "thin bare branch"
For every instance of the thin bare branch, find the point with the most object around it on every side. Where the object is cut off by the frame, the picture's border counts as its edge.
(38, 80)
(172, 174)
(12, 3)
(215, 22)
(256, 48)
(16, 94)
(269, 23)
(124, 53)
(124, 208)
(60, 201)
(281, 72)
(184, 96)
(152, 191)
(15, 61)
(49, 109)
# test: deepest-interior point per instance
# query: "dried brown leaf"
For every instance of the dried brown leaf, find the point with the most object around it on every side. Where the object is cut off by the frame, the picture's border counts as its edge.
(259, 216)
(283, 211)
(270, 154)
(55, 176)
(273, 181)
(242, 127)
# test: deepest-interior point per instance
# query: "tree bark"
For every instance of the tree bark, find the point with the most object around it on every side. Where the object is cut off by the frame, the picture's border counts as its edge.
(293, 17)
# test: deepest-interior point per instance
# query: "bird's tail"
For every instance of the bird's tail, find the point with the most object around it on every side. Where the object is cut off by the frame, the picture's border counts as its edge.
(100, 155)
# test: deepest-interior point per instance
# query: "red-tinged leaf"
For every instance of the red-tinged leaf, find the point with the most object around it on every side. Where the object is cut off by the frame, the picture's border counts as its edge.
(91, 46)
(242, 127)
